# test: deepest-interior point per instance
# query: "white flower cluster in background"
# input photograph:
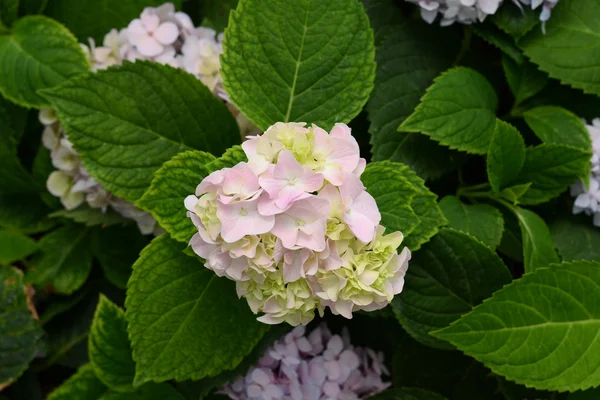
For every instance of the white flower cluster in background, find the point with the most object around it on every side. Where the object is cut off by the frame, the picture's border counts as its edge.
(588, 198)
(471, 11)
(74, 185)
(317, 366)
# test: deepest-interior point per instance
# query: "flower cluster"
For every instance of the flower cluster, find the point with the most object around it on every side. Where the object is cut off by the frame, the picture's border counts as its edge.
(312, 367)
(588, 198)
(295, 227)
(470, 11)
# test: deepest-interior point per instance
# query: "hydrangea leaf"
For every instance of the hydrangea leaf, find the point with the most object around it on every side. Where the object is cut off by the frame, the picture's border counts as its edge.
(540, 331)
(116, 248)
(569, 49)
(150, 391)
(82, 385)
(19, 328)
(384, 15)
(576, 238)
(95, 18)
(559, 126)
(24, 213)
(64, 260)
(9, 12)
(408, 61)
(512, 239)
(538, 249)
(407, 394)
(89, 216)
(514, 193)
(500, 39)
(184, 322)
(446, 278)
(394, 195)
(109, 349)
(178, 179)
(524, 79)
(590, 394)
(515, 21)
(481, 221)
(551, 168)
(298, 60)
(513, 391)
(458, 110)
(215, 13)
(506, 155)
(126, 122)
(15, 246)
(42, 54)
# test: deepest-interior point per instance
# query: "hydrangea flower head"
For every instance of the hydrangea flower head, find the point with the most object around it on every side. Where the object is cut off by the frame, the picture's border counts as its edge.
(314, 366)
(295, 227)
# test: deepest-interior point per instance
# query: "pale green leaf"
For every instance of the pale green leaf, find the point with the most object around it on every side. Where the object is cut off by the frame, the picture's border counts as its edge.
(538, 249)
(458, 110)
(524, 79)
(569, 49)
(126, 122)
(407, 394)
(82, 385)
(540, 331)
(64, 260)
(446, 278)
(576, 238)
(173, 304)
(481, 221)
(506, 155)
(19, 329)
(109, 349)
(298, 60)
(559, 126)
(408, 61)
(15, 246)
(42, 54)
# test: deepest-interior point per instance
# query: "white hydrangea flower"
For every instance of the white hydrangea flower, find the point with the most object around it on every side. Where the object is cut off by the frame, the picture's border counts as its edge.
(587, 199)
(315, 366)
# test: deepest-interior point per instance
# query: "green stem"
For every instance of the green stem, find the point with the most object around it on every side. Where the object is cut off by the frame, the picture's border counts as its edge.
(465, 45)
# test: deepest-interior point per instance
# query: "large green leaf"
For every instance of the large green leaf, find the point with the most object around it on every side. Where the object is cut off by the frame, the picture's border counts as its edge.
(150, 391)
(458, 110)
(501, 40)
(569, 49)
(298, 60)
(109, 349)
(39, 53)
(95, 18)
(24, 213)
(64, 260)
(559, 126)
(515, 20)
(446, 278)
(15, 246)
(481, 221)
(551, 168)
(408, 61)
(184, 322)
(506, 156)
(19, 329)
(407, 394)
(576, 238)
(538, 249)
(384, 16)
(126, 122)
(82, 385)
(524, 79)
(540, 331)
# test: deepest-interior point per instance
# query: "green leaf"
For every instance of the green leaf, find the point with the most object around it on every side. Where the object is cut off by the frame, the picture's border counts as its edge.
(19, 329)
(408, 61)
(64, 260)
(175, 303)
(514, 193)
(512, 238)
(216, 13)
(458, 110)
(538, 249)
(126, 122)
(42, 54)
(568, 50)
(540, 331)
(481, 221)
(298, 60)
(24, 213)
(591, 394)
(559, 126)
(82, 385)
(117, 248)
(95, 18)
(506, 155)
(576, 238)
(109, 349)
(513, 391)
(407, 394)
(551, 168)
(384, 15)
(524, 79)
(89, 216)
(15, 246)
(9, 10)
(501, 40)
(449, 276)
(150, 391)
(516, 21)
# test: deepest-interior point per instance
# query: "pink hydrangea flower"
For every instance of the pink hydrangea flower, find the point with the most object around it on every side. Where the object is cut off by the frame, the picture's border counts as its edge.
(150, 35)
